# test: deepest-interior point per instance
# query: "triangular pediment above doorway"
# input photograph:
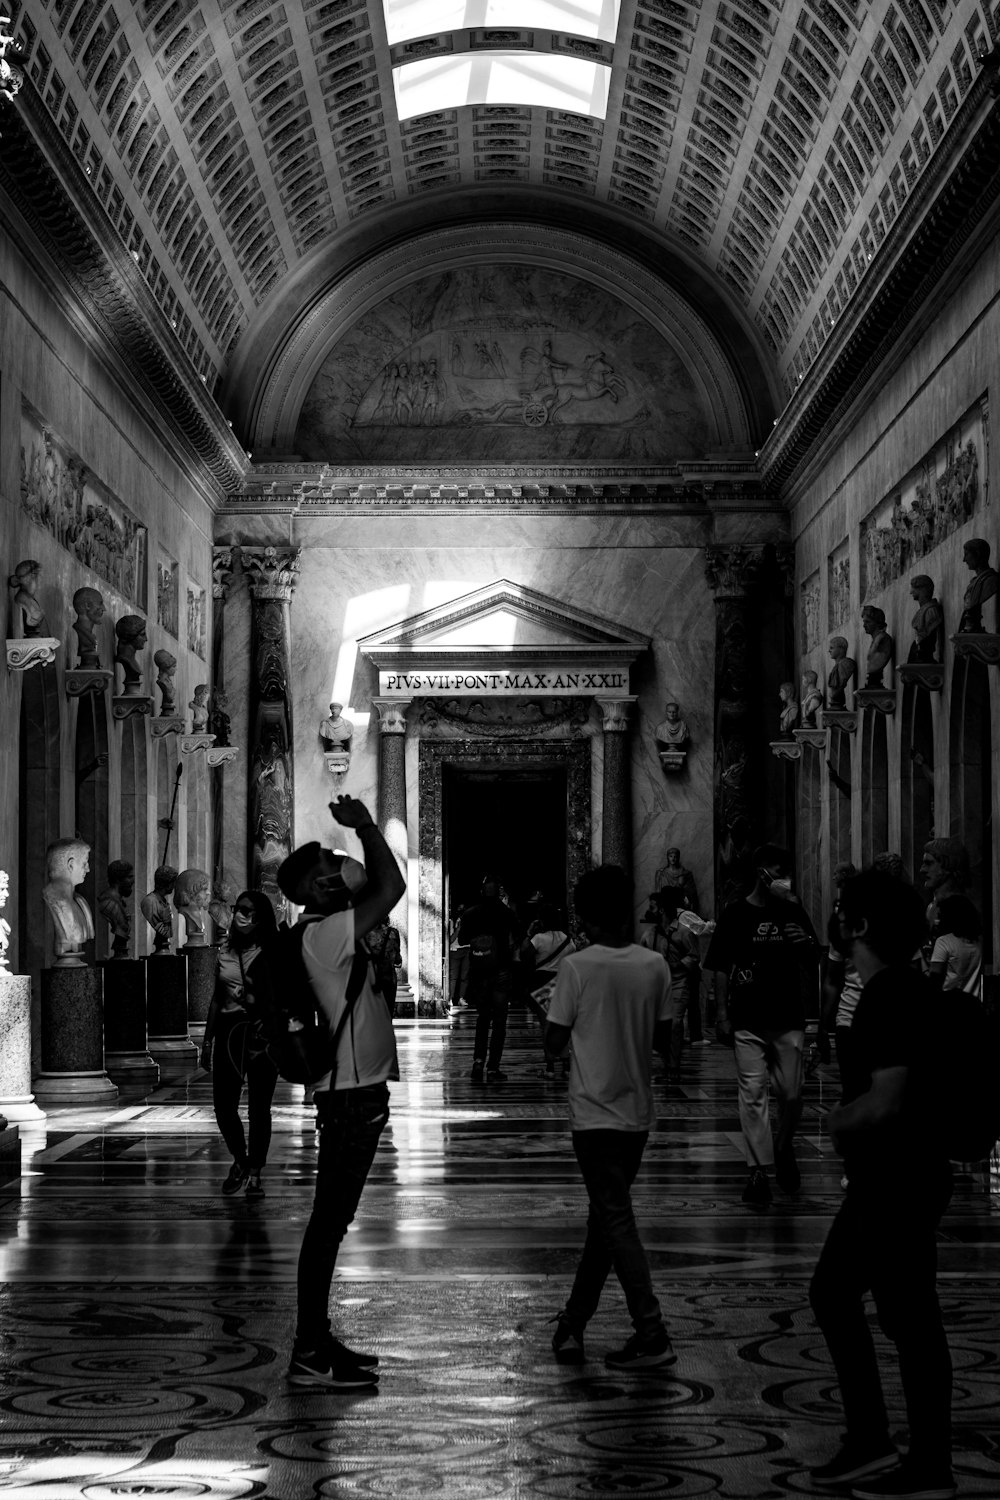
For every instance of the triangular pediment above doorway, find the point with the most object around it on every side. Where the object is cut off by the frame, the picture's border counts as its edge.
(505, 624)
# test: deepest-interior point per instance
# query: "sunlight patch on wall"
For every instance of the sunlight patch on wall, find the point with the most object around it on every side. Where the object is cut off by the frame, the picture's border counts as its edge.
(544, 81)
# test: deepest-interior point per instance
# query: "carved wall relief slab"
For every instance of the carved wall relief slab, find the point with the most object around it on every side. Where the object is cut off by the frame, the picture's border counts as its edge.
(434, 755)
(167, 594)
(503, 717)
(809, 612)
(838, 592)
(935, 498)
(60, 494)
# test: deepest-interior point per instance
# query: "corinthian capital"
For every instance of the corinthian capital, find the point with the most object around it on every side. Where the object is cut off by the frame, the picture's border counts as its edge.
(222, 571)
(271, 571)
(730, 571)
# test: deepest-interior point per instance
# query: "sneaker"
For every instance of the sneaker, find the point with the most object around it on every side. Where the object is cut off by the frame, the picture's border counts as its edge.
(786, 1170)
(254, 1189)
(477, 1072)
(856, 1460)
(341, 1351)
(495, 1076)
(238, 1174)
(907, 1483)
(326, 1368)
(758, 1190)
(643, 1353)
(703, 1041)
(567, 1341)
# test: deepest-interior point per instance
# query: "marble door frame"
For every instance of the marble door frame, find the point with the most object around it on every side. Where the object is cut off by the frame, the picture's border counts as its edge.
(574, 754)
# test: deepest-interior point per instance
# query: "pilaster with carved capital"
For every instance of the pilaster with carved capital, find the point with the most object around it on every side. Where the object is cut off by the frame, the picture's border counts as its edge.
(272, 572)
(732, 571)
(392, 812)
(616, 825)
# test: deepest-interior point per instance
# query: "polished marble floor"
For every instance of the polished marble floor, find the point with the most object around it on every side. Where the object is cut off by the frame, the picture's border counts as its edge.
(146, 1319)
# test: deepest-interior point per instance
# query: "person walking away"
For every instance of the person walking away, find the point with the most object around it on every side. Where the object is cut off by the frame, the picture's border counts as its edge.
(542, 953)
(458, 966)
(957, 954)
(679, 950)
(613, 1001)
(489, 929)
(343, 902)
(883, 1239)
(763, 951)
(233, 1048)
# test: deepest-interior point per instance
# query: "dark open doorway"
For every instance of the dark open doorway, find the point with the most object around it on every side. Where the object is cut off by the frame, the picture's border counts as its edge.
(509, 821)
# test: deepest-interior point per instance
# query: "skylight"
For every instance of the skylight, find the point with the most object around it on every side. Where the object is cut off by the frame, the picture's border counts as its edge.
(546, 80)
(406, 19)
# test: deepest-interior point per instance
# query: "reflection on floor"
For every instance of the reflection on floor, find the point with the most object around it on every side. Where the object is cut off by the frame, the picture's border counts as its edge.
(146, 1319)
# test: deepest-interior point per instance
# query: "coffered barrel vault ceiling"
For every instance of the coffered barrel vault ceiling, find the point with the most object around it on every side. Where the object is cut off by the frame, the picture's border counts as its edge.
(246, 150)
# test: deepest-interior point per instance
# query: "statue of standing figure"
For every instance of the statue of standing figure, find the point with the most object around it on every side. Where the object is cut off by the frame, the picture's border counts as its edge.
(881, 649)
(112, 903)
(976, 556)
(927, 621)
(67, 862)
(89, 608)
(155, 907)
(166, 665)
(25, 579)
(130, 632)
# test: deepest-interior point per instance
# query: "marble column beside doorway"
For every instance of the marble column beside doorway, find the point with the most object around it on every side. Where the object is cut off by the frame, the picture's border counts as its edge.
(16, 1099)
(616, 824)
(392, 822)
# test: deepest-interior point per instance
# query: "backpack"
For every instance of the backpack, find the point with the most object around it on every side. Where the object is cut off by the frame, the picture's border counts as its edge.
(967, 1056)
(299, 1040)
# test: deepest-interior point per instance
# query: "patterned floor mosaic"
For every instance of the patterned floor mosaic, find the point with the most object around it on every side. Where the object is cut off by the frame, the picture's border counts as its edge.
(146, 1320)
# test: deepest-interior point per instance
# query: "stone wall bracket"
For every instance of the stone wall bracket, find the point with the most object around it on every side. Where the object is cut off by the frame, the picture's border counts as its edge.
(672, 761)
(220, 755)
(83, 680)
(131, 708)
(881, 699)
(337, 763)
(844, 719)
(786, 750)
(926, 674)
(979, 645)
(816, 738)
(190, 744)
(160, 728)
(32, 651)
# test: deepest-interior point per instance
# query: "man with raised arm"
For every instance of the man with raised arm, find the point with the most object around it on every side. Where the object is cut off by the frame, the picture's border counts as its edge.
(343, 901)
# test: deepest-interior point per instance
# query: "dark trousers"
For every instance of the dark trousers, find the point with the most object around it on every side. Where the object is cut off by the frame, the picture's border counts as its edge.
(885, 1242)
(491, 998)
(609, 1161)
(350, 1122)
(458, 974)
(237, 1060)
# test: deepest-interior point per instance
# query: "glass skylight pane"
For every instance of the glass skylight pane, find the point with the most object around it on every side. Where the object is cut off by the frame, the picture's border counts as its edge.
(406, 19)
(545, 80)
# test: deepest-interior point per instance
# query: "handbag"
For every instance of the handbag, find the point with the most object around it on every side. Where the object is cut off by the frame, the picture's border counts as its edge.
(305, 1049)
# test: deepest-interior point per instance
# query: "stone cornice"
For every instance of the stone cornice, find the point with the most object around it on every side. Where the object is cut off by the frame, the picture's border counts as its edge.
(44, 182)
(960, 185)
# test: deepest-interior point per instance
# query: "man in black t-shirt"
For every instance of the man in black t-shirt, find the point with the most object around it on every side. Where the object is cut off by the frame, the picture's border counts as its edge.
(489, 929)
(762, 951)
(883, 1240)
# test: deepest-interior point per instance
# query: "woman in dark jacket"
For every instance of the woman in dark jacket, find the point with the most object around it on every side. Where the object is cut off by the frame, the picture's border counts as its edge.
(234, 1045)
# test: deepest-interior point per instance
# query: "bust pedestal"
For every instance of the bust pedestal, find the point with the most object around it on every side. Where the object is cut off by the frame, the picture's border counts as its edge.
(845, 719)
(881, 699)
(126, 1056)
(672, 760)
(170, 1047)
(32, 651)
(16, 1099)
(202, 963)
(926, 674)
(786, 750)
(981, 645)
(131, 706)
(73, 1039)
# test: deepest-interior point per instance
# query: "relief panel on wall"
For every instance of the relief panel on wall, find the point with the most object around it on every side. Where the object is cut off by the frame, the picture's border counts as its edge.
(167, 594)
(196, 632)
(809, 612)
(838, 592)
(509, 362)
(61, 495)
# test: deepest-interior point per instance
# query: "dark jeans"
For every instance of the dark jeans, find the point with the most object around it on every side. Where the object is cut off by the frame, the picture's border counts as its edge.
(884, 1241)
(235, 1060)
(350, 1122)
(492, 999)
(609, 1161)
(458, 974)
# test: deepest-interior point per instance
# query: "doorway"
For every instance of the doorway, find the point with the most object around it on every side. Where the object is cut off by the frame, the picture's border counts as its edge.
(507, 821)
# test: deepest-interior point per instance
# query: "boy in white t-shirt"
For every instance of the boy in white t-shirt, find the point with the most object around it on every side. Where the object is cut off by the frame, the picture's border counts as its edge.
(613, 1002)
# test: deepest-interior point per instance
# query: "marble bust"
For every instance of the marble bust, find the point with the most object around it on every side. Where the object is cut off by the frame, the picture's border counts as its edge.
(25, 579)
(155, 907)
(67, 862)
(927, 621)
(812, 699)
(672, 733)
(881, 648)
(112, 903)
(130, 632)
(199, 709)
(192, 894)
(166, 665)
(220, 908)
(336, 732)
(843, 672)
(789, 715)
(976, 556)
(89, 608)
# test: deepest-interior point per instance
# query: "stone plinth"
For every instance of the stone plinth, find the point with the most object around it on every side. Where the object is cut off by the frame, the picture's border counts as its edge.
(82, 680)
(131, 706)
(73, 1039)
(10, 1153)
(845, 719)
(881, 699)
(673, 760)
(126, 1057)
(33, 651)
(926, 674)
(202, 966)
(170, 1047)
(786, 749)
(815, 738)
(980, 645)
(16, 1099)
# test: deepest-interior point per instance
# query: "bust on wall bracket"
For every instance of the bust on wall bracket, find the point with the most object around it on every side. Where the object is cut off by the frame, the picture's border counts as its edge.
(35, 651)
(928, 675)
(881, 699)
(337, 762)
(672, 739)
(844, 719)
(979, 645)
(83, 680)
